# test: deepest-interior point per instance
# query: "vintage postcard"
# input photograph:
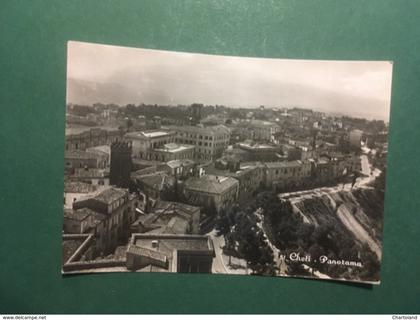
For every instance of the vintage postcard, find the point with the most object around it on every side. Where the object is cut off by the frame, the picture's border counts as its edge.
(195, 163)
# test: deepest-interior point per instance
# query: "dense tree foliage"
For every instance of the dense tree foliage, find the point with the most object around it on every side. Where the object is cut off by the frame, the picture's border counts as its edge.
(331, 238)
(244, 238)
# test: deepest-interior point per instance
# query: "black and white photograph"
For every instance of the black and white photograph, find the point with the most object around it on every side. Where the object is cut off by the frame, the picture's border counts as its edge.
(195, 163)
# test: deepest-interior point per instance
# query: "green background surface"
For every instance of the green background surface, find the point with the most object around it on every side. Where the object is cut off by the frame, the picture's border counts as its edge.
(33, 36)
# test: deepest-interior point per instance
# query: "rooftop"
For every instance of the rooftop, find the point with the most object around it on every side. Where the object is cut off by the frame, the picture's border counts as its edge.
(252, 145)
(79, 187)
(211, 183)
(78, 215)
(155, 179)
(147, 252)
(175, 207)
(177, 225)
(105, 149)
(147, 134)
(284, 164)
(90, 173)
(71, 243)
(170, 242)
(257, 123)
(111, 194)
(69, 247)
(179, 163)
(82, 129)
(80, 154)
(222, 129)
(174, 147)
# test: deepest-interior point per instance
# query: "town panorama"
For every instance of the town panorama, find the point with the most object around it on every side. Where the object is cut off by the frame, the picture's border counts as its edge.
(203, 188)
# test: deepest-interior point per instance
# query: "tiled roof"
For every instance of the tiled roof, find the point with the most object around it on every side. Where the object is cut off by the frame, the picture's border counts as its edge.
(79, 215)
(175, 241)
(79, 154)
(79, 187)
(179, 163)
(90, 173)
(211, 184)
(177, 225)
(175, 207)
(218, 129)
(148, 134)
(174, 147)
(284, 164)
(146, 252)
(155, 180)
(111, 194)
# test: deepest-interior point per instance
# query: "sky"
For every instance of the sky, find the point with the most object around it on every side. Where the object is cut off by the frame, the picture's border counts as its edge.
(122, 75)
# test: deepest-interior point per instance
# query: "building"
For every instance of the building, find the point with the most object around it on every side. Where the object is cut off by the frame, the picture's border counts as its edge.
(170, 253)
(250, 175)
(84, 159)
(151, 186)
(76, 247)
(104, 151)
(96, 177)
(287, 173)
(77, 221)
(144, 253)
(355, 137)
(85, 137)
(117, 207)
(169, 218)
(171, 151)
(180, 168)
(209, 142)
(255, 151)
(76, 190)
(145, 141)
(257, 130)
(211, 192)
(121, 164)
(78, 256)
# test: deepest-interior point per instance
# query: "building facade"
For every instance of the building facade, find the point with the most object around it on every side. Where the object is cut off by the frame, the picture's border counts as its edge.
(145, 141)
(117, 208)
(209, 142)
(81, 139)
(212, 192)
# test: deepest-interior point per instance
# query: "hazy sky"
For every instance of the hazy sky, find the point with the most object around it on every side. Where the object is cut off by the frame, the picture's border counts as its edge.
(112, 74)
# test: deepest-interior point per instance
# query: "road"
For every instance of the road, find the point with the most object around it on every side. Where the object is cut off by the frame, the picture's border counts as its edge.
(365, 165)
(354, 226)
(221, 261)
(218, 264)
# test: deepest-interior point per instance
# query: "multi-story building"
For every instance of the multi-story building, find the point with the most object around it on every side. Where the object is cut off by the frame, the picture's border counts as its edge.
(169, 218)
(287, 173)
(180, 168)
(145, 141)
(85, 159)
(93, 176)
(257, 130)
(170, 253)
(83, 138)
(76, 190)
(250, 175)
(117, 208)
(171, 151)
(209, 142)
(211, 192)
